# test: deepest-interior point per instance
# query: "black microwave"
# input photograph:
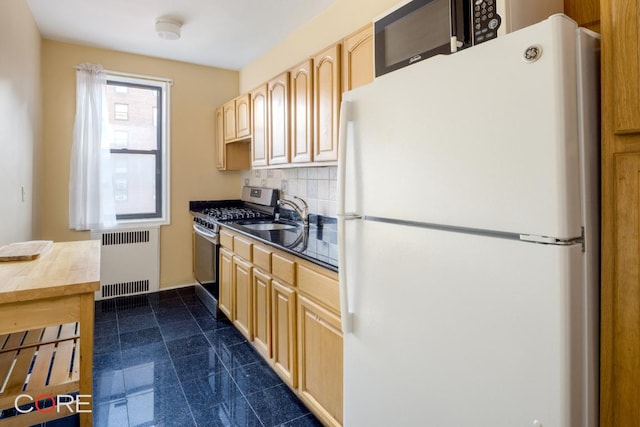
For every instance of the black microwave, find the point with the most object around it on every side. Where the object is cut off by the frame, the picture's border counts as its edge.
(423, 28)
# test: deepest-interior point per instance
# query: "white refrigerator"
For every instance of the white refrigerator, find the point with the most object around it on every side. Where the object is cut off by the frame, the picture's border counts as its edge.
(468, 236)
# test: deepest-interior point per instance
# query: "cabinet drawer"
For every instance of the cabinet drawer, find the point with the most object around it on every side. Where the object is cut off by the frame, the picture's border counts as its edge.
(262, 258)
(242, 247)
(283, 268)
(320, 286)
(226, 239)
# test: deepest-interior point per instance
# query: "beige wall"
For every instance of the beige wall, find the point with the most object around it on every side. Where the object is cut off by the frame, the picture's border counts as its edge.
(19, 120)
(337, 21)
(195, 93)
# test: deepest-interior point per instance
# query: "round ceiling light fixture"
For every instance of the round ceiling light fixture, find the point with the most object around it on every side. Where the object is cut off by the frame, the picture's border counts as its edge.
(168, 29)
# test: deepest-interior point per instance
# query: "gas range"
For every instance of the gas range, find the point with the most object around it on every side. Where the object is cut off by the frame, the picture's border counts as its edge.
(210, 217)
(233, 213)
(256, 203)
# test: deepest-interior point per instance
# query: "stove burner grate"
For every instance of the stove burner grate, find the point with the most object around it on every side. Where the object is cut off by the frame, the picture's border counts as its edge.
(233, 213)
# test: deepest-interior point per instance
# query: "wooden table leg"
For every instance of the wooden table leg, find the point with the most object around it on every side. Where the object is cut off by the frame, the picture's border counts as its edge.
(86, 358)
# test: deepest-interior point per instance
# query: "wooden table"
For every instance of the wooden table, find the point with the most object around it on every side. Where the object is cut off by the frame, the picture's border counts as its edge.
(55, 289)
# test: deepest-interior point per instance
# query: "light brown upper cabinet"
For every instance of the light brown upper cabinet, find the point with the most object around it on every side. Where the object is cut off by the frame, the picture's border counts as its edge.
(220, 148)
(626, 57)
(301, 118)
(243, 116)
(278, 113)
(259, 120)
(326, 103)
(357, 59)
(229, 127)
(237, 118)
(230, 155)
(585, 12)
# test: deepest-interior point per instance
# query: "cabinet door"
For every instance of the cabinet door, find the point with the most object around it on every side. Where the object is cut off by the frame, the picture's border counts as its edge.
(220, 148)
(326, 103)
(229, 120)
(620, 312)
(283, 318)
(620, 250)
(278, 140)
(320, 359)
(243, 116)
(358, 66)
(242, 298)
(585, 12)
(225, 276)
(625, 58)
(302, 112)
(259, 126)
(261, 312)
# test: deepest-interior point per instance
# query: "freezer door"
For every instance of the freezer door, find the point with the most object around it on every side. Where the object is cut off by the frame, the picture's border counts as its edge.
(454, 329)
(481, 139)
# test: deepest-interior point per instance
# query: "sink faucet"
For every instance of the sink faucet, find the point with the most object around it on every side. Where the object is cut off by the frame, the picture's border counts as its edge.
(303, 212)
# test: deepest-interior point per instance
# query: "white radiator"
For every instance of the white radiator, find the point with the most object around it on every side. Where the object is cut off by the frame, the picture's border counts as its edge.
(130, 261)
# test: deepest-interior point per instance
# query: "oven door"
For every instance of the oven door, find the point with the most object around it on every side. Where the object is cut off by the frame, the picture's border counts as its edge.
(205, 255)
(205, 267)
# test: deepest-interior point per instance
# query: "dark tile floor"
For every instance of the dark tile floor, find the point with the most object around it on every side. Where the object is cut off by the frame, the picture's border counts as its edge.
(162, 360)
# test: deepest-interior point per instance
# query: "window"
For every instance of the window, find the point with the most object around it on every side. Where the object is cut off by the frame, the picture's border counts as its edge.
(138, 146)
(121, 111)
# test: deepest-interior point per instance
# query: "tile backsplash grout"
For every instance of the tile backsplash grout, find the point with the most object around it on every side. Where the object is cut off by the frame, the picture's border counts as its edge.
(318, 186)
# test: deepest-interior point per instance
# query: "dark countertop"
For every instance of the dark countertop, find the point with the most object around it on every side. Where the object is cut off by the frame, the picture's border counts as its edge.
(316, 243)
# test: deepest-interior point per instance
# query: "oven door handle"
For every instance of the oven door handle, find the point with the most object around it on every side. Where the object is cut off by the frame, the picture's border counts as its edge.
(203, 232)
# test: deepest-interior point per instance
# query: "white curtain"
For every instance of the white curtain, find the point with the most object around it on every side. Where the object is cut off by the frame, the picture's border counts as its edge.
(91, 203)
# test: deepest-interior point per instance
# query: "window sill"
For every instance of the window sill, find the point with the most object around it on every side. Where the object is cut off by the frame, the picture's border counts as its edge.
(139, 223)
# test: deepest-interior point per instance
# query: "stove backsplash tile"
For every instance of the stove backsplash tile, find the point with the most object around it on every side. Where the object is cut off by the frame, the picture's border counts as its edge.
(318, 186)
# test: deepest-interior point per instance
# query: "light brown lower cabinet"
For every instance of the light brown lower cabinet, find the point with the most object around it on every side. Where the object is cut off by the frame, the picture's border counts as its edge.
(225, 277)
(262, 312)
(242, 297)
(288, 309)
(320, 352)
(283, 315)
(620, 370)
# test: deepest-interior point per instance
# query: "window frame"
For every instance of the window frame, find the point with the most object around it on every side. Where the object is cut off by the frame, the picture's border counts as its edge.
(162, 86)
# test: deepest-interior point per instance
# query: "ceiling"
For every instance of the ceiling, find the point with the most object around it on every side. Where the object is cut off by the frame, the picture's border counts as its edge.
(219, 33)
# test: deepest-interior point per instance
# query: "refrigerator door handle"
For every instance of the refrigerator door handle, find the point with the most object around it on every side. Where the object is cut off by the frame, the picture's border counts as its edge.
(349, 216)
(345, 115)
(345, 314)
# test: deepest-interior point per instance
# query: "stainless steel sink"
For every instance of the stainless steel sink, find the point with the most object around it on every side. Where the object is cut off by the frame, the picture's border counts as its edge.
(268, 226)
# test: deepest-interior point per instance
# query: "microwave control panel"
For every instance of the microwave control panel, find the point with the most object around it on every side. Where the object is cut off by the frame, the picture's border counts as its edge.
(485, 20)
